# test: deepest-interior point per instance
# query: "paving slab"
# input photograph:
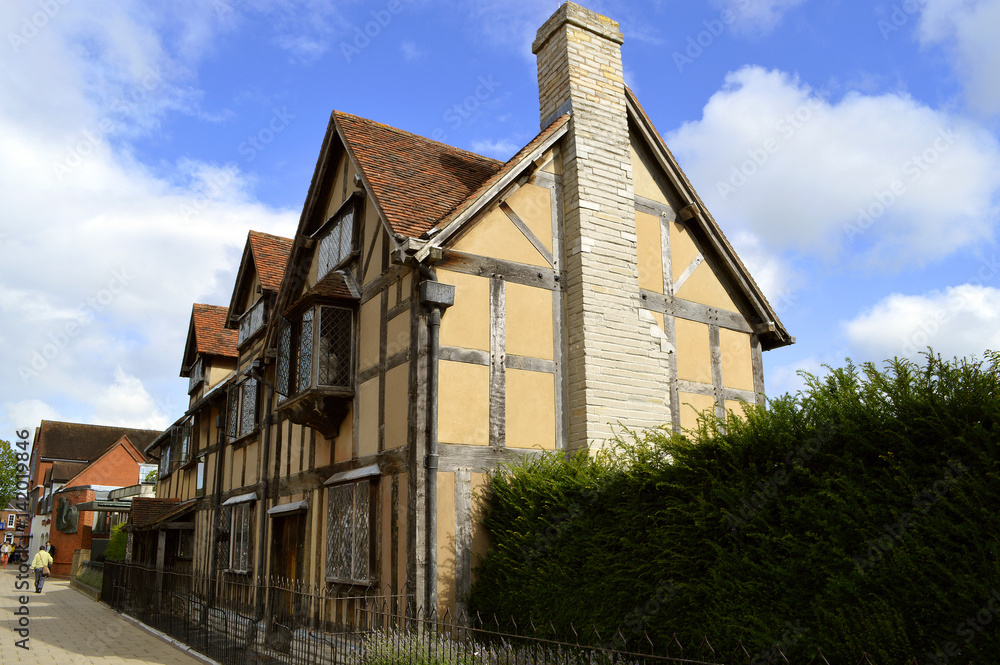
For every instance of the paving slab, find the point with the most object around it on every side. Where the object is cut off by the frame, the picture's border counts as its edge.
(65, 627)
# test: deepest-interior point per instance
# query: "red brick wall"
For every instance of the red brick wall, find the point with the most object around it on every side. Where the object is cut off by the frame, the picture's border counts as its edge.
(67, 543)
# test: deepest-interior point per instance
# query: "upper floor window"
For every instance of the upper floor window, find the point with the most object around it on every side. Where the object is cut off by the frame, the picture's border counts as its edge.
(196, 376)
(242, 408)
(253, 320)
(336, 237)
(176, 451)
(315, 350)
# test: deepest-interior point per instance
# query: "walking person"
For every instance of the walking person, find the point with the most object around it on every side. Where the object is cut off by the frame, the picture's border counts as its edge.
(5, 554)
(40, 564)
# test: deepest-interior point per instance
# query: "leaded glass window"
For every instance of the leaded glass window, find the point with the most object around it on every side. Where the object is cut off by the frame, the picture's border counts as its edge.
(348, 554)
(336, 243)
(334, 347)
(305, 350)
(283, 371)
(242, 537)
(234, 412)
(248, 406)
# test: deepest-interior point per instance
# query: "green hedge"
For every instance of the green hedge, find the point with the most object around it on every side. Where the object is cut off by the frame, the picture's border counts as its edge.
(862, 514)
(117, 544)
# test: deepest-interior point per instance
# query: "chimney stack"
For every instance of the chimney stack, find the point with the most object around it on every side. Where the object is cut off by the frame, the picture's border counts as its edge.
(616, 373)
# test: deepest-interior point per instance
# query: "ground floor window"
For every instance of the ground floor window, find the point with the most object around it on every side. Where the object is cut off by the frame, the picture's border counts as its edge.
(234, 544)
(350, 546)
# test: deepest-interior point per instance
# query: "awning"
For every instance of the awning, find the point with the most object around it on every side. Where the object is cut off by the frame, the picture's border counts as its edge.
(105, 506)
(242, 498)
(354, 474)
(288, 509)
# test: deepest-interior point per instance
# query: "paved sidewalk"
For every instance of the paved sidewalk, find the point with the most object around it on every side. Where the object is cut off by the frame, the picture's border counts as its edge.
(68, 628)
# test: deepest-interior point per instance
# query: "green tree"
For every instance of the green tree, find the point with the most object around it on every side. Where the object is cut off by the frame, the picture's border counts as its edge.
(8, 473)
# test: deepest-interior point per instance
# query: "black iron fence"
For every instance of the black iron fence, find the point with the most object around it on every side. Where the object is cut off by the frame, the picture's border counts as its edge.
(237, 620)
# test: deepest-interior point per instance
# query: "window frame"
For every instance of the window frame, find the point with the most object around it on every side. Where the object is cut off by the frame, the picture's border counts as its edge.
(354, 205)
(245, 538)
(238, 426)
(366, 487)
(291, 368)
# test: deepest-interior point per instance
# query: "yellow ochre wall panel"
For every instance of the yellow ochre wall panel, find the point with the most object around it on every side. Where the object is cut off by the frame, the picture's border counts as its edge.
(531, 409)
(694, 355)
(397, 334)
(737, 361)
(691, 406)
(467, 322)
(375, 265)
(496, 236)
(369, 332)
(683, 250)
(446, 541)
(533, 204)
(529, 321)
(463, 403)
(396, 401)
(736, 407)
(650, 250)
(368, 418)
(704, 287)
(343, 447)
(643, 182)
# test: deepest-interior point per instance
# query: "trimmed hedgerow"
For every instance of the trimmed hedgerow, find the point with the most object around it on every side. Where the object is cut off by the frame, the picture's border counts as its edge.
(858, 515)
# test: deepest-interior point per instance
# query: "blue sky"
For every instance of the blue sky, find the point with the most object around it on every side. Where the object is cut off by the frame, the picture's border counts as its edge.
(849, 150)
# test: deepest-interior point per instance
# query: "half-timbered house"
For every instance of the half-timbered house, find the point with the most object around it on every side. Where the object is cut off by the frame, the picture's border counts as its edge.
(440, 312)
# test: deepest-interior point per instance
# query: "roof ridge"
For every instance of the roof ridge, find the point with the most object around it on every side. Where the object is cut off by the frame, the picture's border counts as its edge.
(270, 235)
(420, 136)
(66, 422)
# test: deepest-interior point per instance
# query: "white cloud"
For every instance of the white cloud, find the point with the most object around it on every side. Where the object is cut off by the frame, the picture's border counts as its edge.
(757, 16)
(127, 403)
(102, 255)
(772, 273)
(26, 414)
(957, 321)
(502, 149)
(881, 174)
(968, 29)
(788, 379)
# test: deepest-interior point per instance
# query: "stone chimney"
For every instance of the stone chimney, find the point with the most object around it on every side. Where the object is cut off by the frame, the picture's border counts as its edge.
(616, 371)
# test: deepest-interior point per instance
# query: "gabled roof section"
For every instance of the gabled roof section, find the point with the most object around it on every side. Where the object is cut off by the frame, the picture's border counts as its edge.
(496, 183)
(60, 472)
(770, 329)
(270, 254)
(415, 180)
(208, 335)
(124, 443)
(84, 443)
(265, 256)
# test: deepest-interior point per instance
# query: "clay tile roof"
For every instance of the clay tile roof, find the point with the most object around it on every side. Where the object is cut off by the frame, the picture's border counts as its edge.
(270, 254)
(416, 180)
(210, 333)
(147, 510)
(75, 441)
(63, 471)
(334, 285)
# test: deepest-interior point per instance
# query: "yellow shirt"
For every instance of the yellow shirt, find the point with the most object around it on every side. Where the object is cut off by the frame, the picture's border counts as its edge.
(41, 560)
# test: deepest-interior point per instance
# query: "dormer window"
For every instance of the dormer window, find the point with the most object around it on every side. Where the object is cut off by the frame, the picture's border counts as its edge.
(196, 376)
(336, 237)
(253, 320)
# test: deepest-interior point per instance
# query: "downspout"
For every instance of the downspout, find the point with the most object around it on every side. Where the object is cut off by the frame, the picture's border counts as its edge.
(220, 426)
(437, 297)
(264, 454)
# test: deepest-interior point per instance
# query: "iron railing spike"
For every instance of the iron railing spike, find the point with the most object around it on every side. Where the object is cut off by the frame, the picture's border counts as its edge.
(740, 647)
(680, 647)
(705, 643)
(649, 641)
(781, 653)
(576, 636)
